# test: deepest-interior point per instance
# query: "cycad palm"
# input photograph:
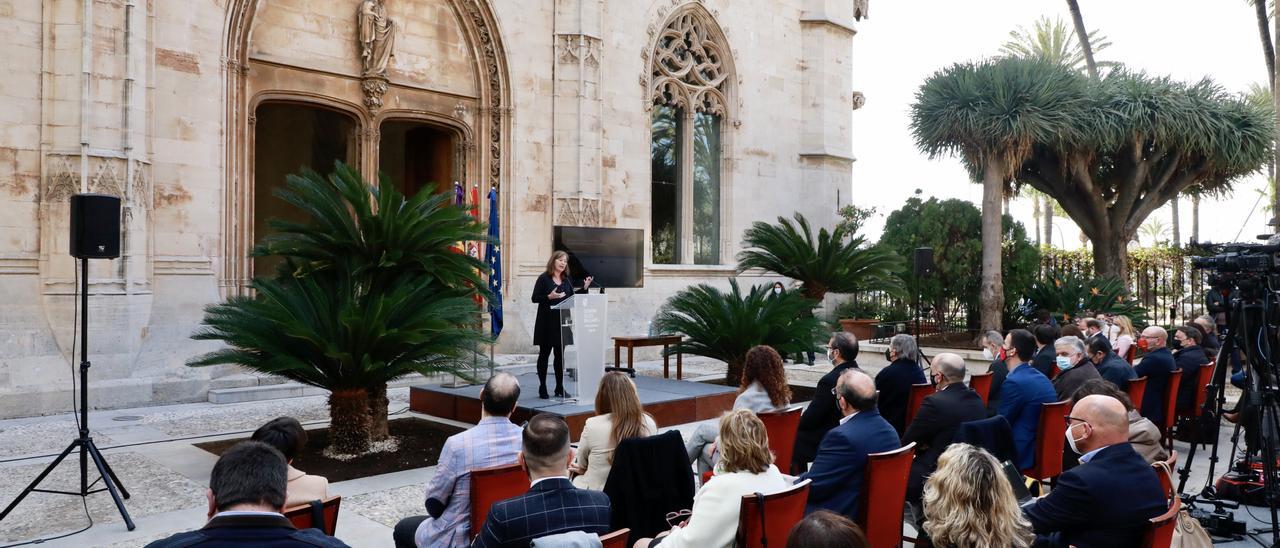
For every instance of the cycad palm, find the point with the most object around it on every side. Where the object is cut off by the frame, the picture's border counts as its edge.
(365, 295)
(835, 261)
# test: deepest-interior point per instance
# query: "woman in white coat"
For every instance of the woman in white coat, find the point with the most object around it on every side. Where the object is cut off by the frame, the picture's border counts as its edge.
(619, 416)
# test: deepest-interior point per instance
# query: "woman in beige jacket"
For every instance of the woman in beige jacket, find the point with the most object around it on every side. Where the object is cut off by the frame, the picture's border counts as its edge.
(286, 435)
(619, 416)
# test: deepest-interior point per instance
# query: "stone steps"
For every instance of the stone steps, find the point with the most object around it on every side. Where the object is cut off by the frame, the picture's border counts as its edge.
(246, 387)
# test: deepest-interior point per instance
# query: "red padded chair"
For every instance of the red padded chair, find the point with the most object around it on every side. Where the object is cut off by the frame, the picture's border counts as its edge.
(981, 383)
(1050, 437)
(1165, 475)
(1137, 387)
(317, 514)
(616, 539)
(1170, 405)
(884, 492)
(494, 484)
(1202, 382)
(1132, 354)
(915, 399)
(782, 511)
(781, 428)
(1160, 530)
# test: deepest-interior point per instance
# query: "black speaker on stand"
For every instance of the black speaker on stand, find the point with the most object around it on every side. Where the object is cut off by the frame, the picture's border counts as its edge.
(95, 234)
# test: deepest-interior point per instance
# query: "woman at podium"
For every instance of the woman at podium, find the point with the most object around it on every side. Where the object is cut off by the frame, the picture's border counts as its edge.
(552, 288)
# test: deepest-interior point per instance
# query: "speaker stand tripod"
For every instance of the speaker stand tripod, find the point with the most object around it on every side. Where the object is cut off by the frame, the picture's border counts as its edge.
(88, 451)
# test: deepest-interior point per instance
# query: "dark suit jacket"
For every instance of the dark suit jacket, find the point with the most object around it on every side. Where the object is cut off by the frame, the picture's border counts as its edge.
(820, 416)
(549, 507)
(249, 530)
(1211, 345)
(1105, 502)
(999, 370)
(894, 383)
(1189, 361)
(1070, 380)
(1155, 366)
(842, 460)
(1116, 370)
(1044, 360)
(933, 428)
(1024, 390)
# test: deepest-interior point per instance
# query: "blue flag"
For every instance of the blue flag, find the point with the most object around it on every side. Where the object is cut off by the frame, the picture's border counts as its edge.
(493, 256)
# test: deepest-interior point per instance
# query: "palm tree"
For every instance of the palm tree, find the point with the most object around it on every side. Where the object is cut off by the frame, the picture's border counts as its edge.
(835, 261)
(724, 326)
(1177, 225)
(1081, 34)
(1051, 40)
(368, 291)
(1155, 230)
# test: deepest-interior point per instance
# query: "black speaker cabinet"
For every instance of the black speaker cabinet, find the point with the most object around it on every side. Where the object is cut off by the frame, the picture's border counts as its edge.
(923, 261)
(95, 226)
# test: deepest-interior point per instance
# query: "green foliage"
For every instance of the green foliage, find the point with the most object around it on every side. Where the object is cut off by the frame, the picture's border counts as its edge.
(852, 218)
(724, 326)
(1069, 294)
(860, 308)
(835, 261)
(953, 229)
(1055, 42)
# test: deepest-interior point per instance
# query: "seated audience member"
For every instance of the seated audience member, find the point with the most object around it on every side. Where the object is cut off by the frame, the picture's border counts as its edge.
(837, 471)
(1110, 365)
(939, 416)
(246, 495)
(822, 415)
(619, 416)
(1045, 357)
(287, 436)
(1044, 317)
(1093, 329)
(1074, 367)
(1107, 500)
(745, 467)
(495, 441)
(1155, 365)
(1125, 337)
(552, 505)
(993, 349)
(1188, 356)
(1070, 330)
(763, 389)
(968, 502)
(1143, 435)
(823, 529)
(1024, 390)
(894, 381)
(1209, 337)
(1109, 328)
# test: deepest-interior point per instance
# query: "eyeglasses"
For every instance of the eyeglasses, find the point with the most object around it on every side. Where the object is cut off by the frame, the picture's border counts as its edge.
(1067, 419)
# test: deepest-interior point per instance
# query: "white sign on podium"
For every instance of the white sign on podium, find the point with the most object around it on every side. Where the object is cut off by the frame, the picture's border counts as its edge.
(583, 322)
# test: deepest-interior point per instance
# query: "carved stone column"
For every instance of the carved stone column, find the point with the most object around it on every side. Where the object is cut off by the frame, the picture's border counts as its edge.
(577, 172)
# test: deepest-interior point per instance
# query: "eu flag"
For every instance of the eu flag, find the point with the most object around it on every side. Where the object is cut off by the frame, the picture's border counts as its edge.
(493, 256)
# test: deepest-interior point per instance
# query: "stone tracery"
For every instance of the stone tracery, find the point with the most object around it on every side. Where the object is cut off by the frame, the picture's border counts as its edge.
(689, 68)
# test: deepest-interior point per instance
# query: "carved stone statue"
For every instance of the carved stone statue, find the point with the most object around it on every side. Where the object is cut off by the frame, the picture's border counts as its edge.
(377, 37)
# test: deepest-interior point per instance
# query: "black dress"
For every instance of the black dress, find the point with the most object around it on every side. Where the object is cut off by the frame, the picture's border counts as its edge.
(546, 326)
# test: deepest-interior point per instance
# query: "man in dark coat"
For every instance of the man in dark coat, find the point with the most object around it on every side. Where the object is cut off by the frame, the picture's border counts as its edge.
(1074, 365)
(1045, 356)
(1025, 390)
(939, 416)
(894, 381)
(993, 344)
(1107, 500)
(1188, 356)
(1110, 366)
(822, 414)
(1156, 366)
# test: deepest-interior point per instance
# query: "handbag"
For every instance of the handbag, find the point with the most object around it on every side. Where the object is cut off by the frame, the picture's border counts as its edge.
(1188, 533)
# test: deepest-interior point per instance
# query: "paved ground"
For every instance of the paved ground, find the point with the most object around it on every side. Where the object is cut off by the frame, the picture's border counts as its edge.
(150, 448)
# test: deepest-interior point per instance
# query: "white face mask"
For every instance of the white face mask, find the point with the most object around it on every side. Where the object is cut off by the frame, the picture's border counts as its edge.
(831, 355)
(1071, 442)
(987, 355)
(777, 291)
(1064, 363)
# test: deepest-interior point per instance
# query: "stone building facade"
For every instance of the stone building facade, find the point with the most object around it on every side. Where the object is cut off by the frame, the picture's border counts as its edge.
(193, 110)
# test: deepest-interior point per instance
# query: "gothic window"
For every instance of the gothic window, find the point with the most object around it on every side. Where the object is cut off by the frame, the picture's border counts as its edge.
(688, 90)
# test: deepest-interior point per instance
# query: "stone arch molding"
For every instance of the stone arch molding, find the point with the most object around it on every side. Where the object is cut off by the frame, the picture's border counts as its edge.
(688, 61)
(484, 130)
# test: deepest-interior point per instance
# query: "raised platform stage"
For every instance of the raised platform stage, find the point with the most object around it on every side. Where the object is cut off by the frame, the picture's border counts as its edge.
(670, 402)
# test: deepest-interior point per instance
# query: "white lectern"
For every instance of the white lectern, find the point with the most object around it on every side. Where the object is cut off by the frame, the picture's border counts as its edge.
(583, 322)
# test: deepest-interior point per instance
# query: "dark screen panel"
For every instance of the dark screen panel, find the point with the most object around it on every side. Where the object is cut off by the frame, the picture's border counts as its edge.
(615, 256)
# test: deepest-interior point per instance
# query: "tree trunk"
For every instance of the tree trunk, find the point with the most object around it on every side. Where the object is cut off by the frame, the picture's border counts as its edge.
(1083, 36)
(733, 376)
(1264, 33)
(1048, 221)
(1035, 214)
(377, 403)
(1177, 225)
(992, 288)
(1110, 256)
(1195, 218)
(349, 422)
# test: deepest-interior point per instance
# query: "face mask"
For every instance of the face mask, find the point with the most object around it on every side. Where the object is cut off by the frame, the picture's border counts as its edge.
(831, 355)
(1064, 363)
(987, 355)
(1143, 345)
(777, 291)
(1176, 344)
(887, 356)
(1072, 441)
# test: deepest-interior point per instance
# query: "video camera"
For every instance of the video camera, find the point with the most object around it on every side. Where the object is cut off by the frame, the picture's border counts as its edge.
(1248, 267)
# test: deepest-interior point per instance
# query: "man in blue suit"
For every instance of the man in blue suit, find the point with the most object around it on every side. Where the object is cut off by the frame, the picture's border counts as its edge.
(1155, 365)
(1024, 390)
(552, 505)
(1107, 500)
(841, 462)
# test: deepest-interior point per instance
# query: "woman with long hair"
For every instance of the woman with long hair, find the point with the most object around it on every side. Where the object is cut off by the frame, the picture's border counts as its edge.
(968, 503)
(1124, 339)
(552, 287)
(619, 416)
(745, 467)
(763, 389)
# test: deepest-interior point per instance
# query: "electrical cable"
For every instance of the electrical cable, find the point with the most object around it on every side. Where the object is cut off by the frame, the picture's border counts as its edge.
(84, 501)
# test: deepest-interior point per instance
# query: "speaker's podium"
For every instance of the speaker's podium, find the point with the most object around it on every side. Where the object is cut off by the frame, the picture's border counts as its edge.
(583, 325)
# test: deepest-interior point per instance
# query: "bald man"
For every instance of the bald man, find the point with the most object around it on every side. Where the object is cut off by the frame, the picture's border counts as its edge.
(1156, 365)
(939, 416)
(841, 461)
(1107, 500)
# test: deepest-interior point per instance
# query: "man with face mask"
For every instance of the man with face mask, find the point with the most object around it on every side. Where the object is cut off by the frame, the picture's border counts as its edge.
(822, 414)
(894, 381)
(993, 349)
(1110, 365)
(1074, 366)
(1189, 356)
(936, 421)
(1155, 365)
(1107, 500)
(1025, 389)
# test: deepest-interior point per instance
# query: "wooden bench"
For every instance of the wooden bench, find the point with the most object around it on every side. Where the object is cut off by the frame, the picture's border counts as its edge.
(631, 343)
